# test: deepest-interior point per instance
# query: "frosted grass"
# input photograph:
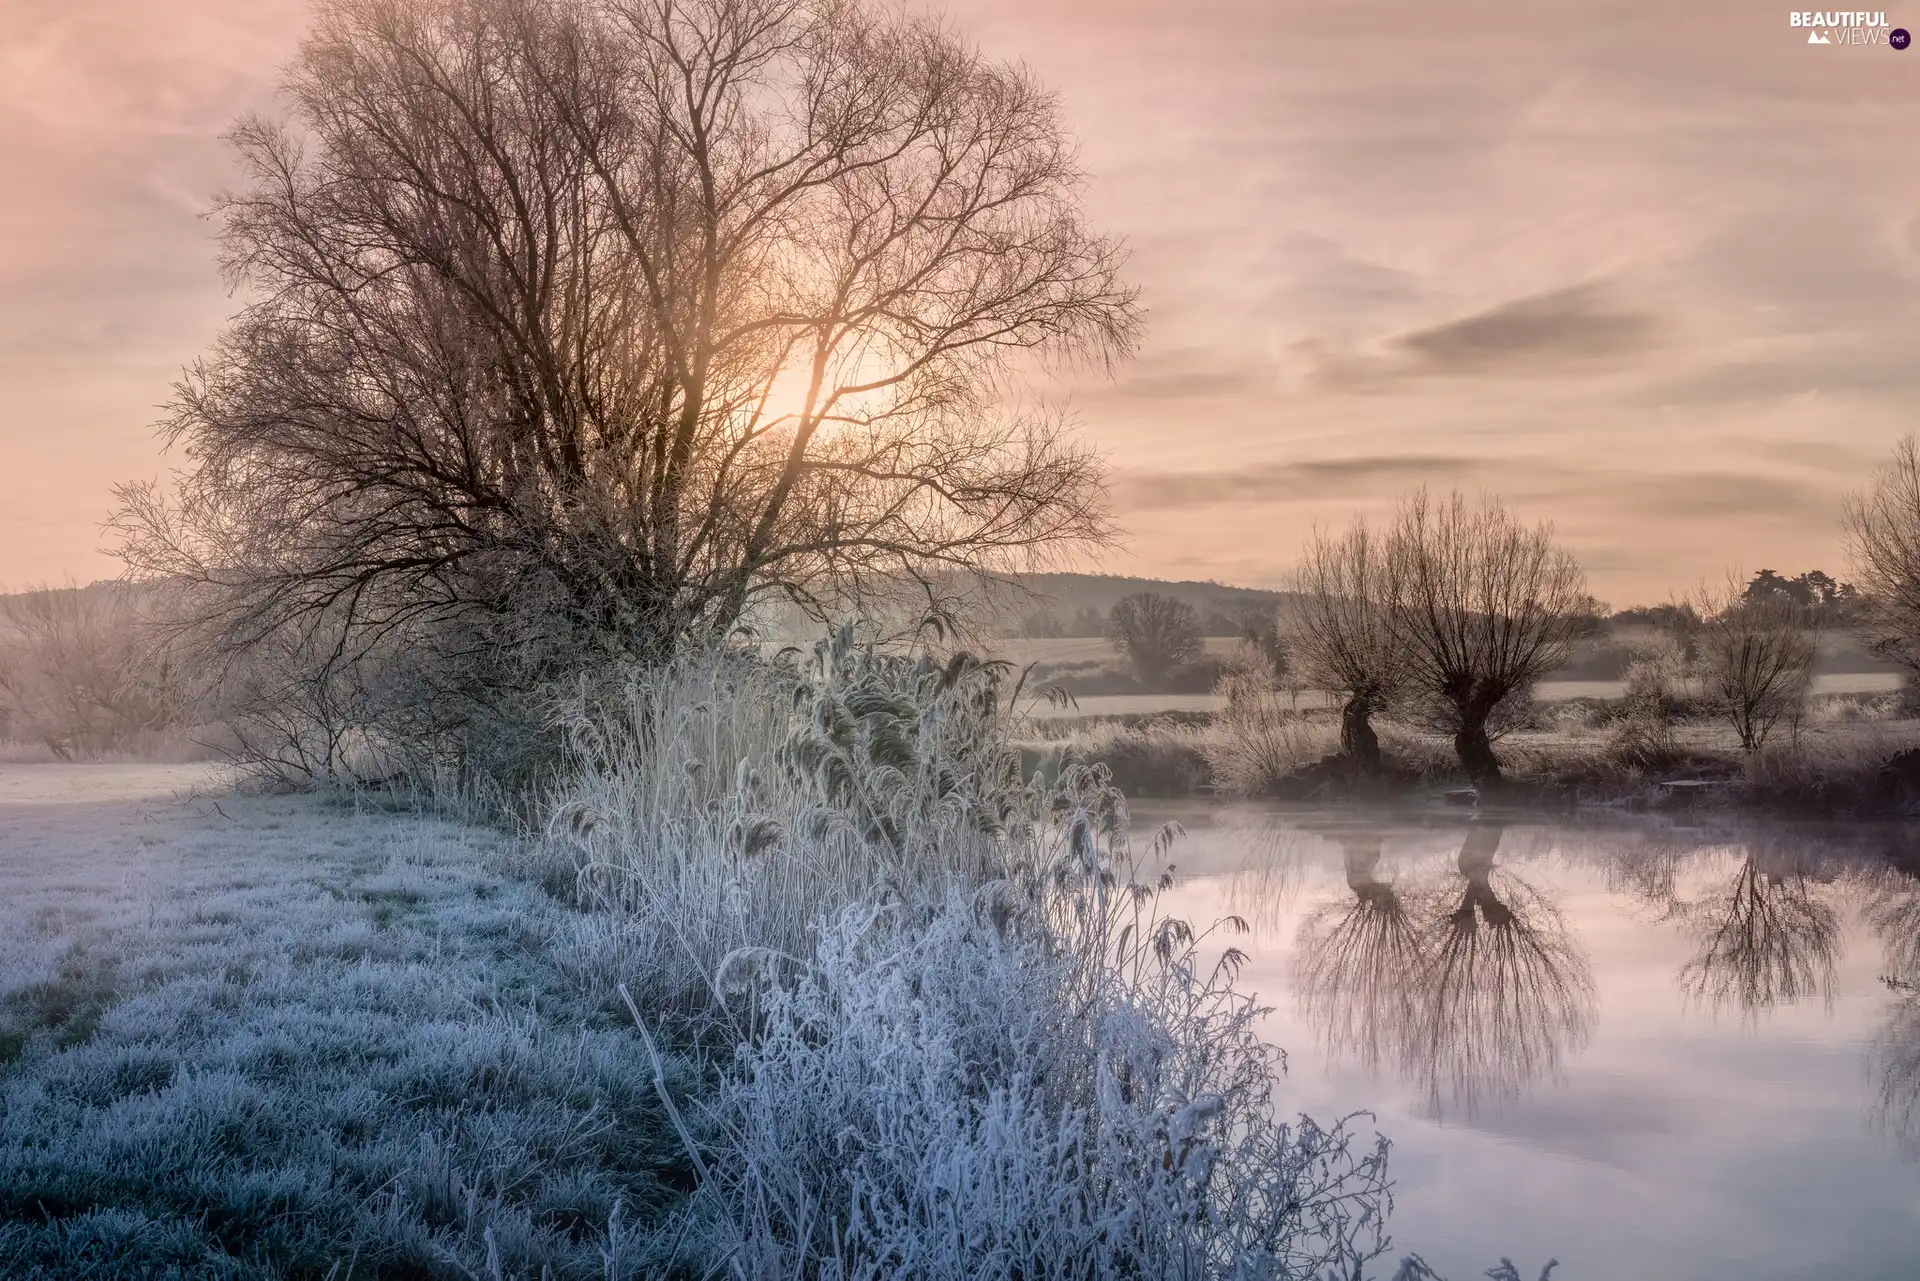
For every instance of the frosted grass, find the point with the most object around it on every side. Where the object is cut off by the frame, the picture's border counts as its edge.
(273, 1036)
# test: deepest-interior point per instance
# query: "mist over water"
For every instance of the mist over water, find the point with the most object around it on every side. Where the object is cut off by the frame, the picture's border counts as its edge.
(1649, 1049)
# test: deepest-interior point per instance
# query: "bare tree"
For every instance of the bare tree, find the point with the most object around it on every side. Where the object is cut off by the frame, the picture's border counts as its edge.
(621, 317)
(1485, 606)
(1341, 633)
(1755, 658)
(1883, 535)
(1157, 633)
(78, 673)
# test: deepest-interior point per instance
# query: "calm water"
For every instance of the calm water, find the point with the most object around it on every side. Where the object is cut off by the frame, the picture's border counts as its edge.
(1653, 1051)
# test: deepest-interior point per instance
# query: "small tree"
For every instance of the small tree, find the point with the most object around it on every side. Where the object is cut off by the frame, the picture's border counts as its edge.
(1341, 633)
(1484, 607)
(1756, 658)
(80, 672)
(1644, 732)
(1157, 633)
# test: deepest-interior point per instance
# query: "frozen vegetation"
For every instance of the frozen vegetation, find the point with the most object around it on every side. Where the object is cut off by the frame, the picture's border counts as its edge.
(911, 1014)
(271, 1036)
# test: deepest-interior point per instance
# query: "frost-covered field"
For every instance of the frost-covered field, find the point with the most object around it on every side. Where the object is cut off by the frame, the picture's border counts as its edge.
(248, 1036)
(285, 1036)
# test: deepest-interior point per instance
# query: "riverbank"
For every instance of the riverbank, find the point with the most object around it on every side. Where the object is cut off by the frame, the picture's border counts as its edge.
(1850, 755)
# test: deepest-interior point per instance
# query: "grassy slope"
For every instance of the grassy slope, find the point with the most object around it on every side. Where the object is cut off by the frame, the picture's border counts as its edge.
(266, 1036)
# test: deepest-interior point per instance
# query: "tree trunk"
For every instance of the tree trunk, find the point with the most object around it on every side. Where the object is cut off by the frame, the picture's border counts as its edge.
(1476, 750)
(1358, 742)
(1362, 862)
(1476, 865)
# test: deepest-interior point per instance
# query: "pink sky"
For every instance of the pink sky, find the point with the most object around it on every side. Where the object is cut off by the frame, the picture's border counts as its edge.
(1647, 270)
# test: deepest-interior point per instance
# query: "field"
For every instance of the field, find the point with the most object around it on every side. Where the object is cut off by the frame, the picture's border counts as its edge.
(262, 1036)
(1090, 706)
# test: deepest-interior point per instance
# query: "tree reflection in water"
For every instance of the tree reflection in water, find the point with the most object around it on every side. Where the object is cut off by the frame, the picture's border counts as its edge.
(1507, 994)
(1893, 909)
(1766, 937)
(1472, 992)
(1355, 959)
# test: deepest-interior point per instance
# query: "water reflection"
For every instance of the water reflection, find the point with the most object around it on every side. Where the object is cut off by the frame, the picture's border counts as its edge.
(1893, 910)
(1470, 989)
(1462, 975)
(1752, 1092)
(1508, 994)
(1356, 960)
(1765, 937)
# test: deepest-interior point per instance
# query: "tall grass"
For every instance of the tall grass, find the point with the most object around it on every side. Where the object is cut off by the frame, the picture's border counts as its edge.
(952, 1092)
(720, 802)
(952, 1036)
(1256, 742)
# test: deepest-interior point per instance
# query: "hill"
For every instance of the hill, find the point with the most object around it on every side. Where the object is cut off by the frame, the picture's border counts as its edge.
(1071, 601)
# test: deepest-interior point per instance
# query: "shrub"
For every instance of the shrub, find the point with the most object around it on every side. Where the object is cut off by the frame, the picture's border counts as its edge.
(961, 1042)
(720, 802)
(1256, 745)
(1035, 1084)
(1643, 733)
(1159, 757)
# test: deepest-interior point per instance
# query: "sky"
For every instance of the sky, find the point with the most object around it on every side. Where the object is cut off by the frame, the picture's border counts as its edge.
(1650, 271)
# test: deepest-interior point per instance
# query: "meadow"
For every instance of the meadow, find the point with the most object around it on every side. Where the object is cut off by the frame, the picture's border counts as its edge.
(811, 995)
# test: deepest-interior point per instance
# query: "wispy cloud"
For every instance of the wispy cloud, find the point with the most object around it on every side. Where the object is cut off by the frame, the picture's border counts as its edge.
(1370, 477)
(1539, 485)
(1617, 262)
(1547, 331)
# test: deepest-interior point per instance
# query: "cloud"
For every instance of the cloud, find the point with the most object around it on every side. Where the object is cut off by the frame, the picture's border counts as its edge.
(1724, 494)
(1192, 384)
(1577, 324)
(1532, 484)
(1273, 482)
(1565, 332)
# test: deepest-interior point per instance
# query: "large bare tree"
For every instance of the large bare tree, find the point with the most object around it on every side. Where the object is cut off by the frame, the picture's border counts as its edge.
(1883, 529)
(618, 317)
(1485, 607)
(1340, 630)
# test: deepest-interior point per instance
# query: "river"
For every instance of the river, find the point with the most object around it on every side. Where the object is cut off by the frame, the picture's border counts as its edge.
(1685, 1050)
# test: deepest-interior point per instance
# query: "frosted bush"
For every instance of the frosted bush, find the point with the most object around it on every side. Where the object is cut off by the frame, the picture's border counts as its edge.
(1256, 742)
(952, 1039)
(1002, 1087)
(722, 802)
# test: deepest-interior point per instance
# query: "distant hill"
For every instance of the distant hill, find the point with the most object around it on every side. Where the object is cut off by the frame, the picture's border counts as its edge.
(1071, 600)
